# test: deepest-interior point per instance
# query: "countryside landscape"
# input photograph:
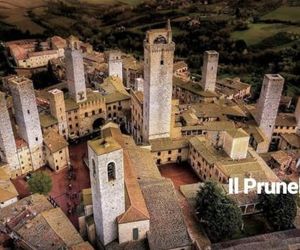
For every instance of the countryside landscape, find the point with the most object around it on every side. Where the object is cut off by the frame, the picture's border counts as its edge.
(251, 36)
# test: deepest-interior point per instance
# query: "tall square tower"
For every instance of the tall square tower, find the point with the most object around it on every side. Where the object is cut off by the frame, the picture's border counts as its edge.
(58, 110)
(75, 72)
(210, 70)
(268, 103)
(26, 112)
(115, 66)
(8, 149)
(158, 77)
(107, 183)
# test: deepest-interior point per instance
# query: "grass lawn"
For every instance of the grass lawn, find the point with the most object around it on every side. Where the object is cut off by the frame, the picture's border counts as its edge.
(284, 13)
(253, 225)
(259, 31)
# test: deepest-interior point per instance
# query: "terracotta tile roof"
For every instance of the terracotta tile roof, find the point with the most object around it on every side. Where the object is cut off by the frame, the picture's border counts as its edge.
(39, 225)
(292, 139)
(62, 226)
(167, 226)
(18, 52)
(54, 141)
(179, 65)
(7, 189)
(168, 144)
(284, 119)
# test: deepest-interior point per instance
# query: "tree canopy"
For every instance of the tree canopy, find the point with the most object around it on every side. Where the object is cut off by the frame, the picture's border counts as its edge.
(40, 182)
(280, 210)
(220, 214)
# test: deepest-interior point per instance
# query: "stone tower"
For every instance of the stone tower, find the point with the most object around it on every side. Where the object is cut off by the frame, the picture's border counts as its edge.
(27, 117)
(8, 149)
(26, 112)
(75, 72)
(115, 66)
(210, 70)
(158, 77)
(268, 103)
(107, 183)
(58, 110)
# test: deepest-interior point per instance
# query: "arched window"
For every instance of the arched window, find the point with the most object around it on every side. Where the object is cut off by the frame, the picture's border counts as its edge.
(94, 167)
(160, 40)
(111, 171)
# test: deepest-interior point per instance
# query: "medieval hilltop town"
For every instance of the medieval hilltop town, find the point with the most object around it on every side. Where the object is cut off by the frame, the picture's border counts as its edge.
(128, 144)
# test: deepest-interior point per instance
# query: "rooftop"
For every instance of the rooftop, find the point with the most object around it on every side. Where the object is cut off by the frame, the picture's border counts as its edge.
(168, 144)
(54, 141)
(167, 226)
(104, 146)
(292, 139)
(47, 120)
(39, 224)
(194, 88)
(7, 189)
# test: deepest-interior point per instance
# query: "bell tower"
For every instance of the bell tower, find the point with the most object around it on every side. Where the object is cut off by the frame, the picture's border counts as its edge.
(107, 183)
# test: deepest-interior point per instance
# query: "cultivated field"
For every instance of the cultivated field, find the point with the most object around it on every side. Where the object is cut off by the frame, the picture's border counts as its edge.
(284, 13)
(259, 31)
(15, 12)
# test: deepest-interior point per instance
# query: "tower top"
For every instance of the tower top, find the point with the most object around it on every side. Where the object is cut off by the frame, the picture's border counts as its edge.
(169, 25)
(160, 36)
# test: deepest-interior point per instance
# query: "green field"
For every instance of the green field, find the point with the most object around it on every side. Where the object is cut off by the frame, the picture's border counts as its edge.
(284, 13)
(259, 31)
(15, 12)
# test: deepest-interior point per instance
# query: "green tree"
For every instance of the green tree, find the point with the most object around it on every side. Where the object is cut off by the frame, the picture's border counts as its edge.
(280, 210)
(220, 214)
(40, 182)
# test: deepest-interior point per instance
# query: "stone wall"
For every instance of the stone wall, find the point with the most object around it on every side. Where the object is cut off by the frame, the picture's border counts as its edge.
(268, 103)
(108, 196)
(209, 70)
(158, 78)
(8, 150)
(75, 75)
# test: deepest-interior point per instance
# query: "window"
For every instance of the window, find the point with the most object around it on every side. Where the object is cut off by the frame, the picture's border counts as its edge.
(36, 138)
(161, 62)
(111, 171)
(158, 153)
(135, 233)
(169, 152)
(93, 112)
(28, 111)
(94, 167)
(86, 114)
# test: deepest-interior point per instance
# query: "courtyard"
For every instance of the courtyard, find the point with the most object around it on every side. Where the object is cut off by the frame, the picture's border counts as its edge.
(66, 188)
(179, 173)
